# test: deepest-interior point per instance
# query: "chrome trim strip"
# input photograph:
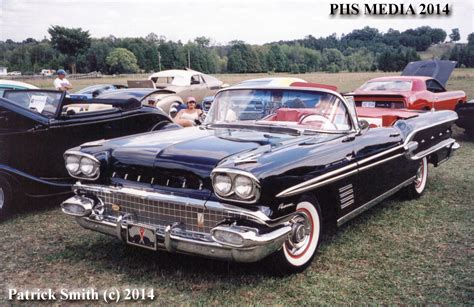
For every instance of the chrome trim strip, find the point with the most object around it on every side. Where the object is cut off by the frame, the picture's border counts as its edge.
(305, 187)
(346, 199)
(310, 184)
(446, 143)
(381, 161)
(344, 194)
(347, 204)
(349, 186)
(373, 202)
(412, 134)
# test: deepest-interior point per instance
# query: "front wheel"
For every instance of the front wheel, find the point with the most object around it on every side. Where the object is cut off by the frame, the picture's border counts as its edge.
(300, 248)
(417, 187)
(5, 198)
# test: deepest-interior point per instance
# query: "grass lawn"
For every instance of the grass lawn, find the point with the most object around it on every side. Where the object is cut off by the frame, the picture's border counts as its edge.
(401, 252)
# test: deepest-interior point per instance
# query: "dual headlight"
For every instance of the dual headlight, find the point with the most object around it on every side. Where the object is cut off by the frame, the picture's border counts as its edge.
(235, 185)
(82, 166)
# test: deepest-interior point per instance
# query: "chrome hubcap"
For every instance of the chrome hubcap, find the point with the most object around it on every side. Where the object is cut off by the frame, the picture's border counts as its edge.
(419, 175)
(2, 198)
(300, 235)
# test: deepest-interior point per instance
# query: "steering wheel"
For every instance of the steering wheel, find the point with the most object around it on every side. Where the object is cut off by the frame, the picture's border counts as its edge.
(311, 118)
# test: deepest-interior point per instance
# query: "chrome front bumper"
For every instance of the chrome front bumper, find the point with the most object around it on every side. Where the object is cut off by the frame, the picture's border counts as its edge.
(262, 238)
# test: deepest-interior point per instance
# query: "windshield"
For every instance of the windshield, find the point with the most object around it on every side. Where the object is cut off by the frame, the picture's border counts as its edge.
(171, 80)
(296, 108)
(45, 103)
(395, 85)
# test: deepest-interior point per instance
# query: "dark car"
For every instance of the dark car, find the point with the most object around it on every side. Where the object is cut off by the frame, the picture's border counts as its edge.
(258, 178)
(37, 126)
(466, 117)
(95, 90)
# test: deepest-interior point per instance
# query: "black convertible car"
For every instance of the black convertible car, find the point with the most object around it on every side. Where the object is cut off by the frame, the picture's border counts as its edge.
(37, 126)
(271, 167)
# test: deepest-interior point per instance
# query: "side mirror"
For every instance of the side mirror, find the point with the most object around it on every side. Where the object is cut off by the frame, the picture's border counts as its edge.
(364, 125)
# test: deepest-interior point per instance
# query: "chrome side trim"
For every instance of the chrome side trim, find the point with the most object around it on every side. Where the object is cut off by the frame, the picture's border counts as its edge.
(373, 202)
(305, 187)
(412, 134)
(381, 161)
(311, 184)
(446, 143)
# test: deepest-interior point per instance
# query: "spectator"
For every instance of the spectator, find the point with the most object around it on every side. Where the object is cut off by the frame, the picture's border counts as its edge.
(190, 116)
(61, 83)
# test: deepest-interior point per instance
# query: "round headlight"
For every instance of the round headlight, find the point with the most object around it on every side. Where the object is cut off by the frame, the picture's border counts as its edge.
(223, 184)
(88, 167)
(72, 164)
(243, 187)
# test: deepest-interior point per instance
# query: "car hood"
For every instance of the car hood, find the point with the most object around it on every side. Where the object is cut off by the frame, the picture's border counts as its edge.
(197, 150)
(440, 70)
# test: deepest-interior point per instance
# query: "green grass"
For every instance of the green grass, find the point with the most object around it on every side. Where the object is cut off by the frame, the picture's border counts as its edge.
(402, 252)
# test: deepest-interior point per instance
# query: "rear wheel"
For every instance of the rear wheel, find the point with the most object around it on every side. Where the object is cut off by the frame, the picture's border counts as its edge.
(300, 248)
(6, 198)
(417, 187)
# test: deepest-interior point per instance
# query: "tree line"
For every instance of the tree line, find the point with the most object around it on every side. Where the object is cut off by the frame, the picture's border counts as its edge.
(365, 49)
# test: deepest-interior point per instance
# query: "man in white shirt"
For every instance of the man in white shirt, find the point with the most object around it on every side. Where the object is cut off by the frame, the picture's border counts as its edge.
(61, 83)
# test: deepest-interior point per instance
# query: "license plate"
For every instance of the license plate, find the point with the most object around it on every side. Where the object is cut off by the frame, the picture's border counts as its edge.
(141, 236)
(368, 104)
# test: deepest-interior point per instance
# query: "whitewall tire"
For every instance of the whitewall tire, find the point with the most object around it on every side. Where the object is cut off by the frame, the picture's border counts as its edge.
(300, 248)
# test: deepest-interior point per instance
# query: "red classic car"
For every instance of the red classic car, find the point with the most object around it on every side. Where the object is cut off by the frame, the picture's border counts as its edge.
(421, 87)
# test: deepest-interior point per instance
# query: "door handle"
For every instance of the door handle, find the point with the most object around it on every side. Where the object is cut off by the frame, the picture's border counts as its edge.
(350, 156)
(349, 138)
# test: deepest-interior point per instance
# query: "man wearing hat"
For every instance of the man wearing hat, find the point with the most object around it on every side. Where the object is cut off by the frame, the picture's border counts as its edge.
(61, 83)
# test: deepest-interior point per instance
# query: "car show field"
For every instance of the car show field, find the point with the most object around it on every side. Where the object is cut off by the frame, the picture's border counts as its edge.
(401, 251)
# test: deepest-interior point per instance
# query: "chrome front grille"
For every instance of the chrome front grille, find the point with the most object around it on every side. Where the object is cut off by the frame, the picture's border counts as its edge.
(159, 214)
(162, 178)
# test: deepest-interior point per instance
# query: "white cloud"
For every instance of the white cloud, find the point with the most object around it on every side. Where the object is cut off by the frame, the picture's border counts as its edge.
(256, 21)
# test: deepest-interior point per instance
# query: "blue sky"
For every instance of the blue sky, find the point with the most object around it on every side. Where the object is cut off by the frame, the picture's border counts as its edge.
(257, 21)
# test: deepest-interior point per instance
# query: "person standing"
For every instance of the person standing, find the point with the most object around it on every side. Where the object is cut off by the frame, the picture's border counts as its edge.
(61, 83)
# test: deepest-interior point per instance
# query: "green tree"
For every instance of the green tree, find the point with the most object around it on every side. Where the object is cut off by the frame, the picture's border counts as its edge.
(455, 35)
(121, 60)
(70, 42)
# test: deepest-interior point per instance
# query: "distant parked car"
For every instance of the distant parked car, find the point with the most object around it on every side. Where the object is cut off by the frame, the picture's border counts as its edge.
(37, 126)
(14, 85)
(14, 73)
(420, 87)
(47, 72)
(466, 117)
(185, 83)
(95, 90)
